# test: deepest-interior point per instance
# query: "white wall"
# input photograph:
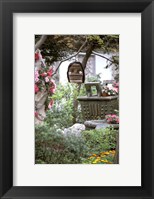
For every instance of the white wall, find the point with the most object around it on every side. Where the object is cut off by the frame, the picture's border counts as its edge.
(106, 74)
(100, 63)
(63, 72)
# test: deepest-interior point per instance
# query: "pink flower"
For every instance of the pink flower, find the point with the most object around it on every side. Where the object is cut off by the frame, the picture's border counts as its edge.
(117, 120)
(52, 81)
(46, 79)
(109, 119)
(50, 104)
(112, 119)
(36, 88)
(115, 89)
(36, 76)
(52, 89)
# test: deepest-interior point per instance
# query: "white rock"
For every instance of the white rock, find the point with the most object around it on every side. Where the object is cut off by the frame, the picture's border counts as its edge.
(75, 129)
(77, 126)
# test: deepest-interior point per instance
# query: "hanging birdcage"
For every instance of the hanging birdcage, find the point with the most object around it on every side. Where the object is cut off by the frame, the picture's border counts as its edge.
(75, 73)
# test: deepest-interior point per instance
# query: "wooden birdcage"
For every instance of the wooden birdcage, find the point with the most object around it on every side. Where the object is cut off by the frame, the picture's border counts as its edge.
(75, 73)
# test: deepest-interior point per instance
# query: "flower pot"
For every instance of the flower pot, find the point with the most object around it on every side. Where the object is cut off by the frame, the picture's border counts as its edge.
(104, 94)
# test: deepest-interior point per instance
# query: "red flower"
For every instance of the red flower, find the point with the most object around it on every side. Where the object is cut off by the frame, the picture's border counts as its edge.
(44, 74)
(36, 114)
(49, 72)
(50, 104)
(52, 89)
(37, 56)
(36, 88)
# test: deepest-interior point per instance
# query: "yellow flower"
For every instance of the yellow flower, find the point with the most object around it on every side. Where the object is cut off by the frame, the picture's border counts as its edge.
(102, 156)
(96, 161)
(106, 153)
(113, 151)
(104, 161)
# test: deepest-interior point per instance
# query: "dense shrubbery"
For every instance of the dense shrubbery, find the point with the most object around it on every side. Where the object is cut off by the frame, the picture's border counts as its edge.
(65, 111)
(100, 140)
(54, 147)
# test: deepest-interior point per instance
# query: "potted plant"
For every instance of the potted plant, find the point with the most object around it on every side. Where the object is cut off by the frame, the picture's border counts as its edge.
(112, 119)
(110, 90)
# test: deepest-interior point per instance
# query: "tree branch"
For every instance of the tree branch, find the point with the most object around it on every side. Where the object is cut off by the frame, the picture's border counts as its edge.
(70, 57)
(95, 53)
(87, 55)
(40, 42)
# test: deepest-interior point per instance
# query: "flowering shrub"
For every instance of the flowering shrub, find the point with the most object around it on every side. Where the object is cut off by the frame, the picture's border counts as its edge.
(44, 82)
(116, 86)
(112, 119)
(44, 85)
(110, 90)
(62, 113)
(105, 157)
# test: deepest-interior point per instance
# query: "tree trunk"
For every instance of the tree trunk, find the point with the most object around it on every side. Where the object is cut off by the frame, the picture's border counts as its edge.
(86, 57)
(40, 42)
(84, 63)
(75, 104)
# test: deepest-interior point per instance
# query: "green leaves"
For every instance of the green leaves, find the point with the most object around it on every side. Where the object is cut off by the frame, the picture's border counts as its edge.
(100, 140)
(53, 147)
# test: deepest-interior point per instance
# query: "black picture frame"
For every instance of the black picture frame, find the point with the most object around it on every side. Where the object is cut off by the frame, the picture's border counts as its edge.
(7, 8)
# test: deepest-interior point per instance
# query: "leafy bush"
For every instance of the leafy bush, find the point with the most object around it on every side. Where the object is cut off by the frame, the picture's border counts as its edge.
(99, 140)
(94, 78)
(66, 110)
(53, 147)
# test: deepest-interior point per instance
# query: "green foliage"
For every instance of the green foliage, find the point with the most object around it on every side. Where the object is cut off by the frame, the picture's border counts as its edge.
(94, 78)
(58, 47)
(66, 111)
(53, 147)
(99, 140)
(96, 40)
(116, 112)
(107, 43)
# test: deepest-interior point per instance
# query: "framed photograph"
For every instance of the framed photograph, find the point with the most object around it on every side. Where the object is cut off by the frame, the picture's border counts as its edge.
(76, 99)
